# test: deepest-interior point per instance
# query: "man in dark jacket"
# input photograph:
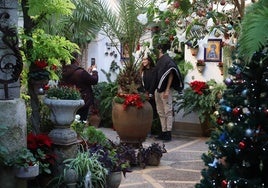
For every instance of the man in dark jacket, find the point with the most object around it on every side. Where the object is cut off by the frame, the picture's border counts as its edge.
(77, 76)
(167, 79)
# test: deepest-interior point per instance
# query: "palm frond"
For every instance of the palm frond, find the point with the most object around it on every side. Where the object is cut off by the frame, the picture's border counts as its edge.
(121, 22)
(254, 33)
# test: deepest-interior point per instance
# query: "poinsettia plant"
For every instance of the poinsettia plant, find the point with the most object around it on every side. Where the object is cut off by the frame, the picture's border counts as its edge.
(41, 147)
(198, 97)
(127, 100)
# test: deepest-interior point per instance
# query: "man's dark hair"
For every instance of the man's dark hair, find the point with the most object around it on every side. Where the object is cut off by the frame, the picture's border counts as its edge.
(164, 46)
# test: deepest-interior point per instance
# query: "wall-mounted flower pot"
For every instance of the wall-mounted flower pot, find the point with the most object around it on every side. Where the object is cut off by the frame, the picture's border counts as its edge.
(194, 51)
(201, 68)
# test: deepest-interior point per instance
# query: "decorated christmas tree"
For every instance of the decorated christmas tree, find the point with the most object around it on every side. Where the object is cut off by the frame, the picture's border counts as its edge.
(238, 148)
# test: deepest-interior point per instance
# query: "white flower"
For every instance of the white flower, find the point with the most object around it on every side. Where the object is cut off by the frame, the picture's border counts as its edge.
(163, 7)
(181, 36)
(171, 54)
(77, 117)
(53, 83)
(203, 42)
(142, 18)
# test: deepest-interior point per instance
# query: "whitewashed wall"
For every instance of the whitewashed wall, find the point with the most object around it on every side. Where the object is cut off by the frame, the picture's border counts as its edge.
(98, 47)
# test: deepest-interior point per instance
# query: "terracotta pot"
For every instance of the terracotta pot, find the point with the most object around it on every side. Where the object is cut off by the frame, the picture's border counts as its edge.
(132, 125)
(94, 119)
(206, 127)
(154, 159)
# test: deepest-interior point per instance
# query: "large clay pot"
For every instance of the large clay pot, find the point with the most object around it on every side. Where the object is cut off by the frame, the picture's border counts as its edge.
(133, 124)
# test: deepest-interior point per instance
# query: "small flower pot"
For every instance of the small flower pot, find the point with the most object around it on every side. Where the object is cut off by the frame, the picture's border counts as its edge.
(200, 68)
(27, 172)
(154, 159)
(114, 179)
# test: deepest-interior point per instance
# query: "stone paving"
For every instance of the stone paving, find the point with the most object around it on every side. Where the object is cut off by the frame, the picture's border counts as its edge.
(180, 167)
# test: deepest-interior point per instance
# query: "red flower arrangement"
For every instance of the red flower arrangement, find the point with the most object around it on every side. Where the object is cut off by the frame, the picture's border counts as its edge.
(130, 100)
(198, 86)
(41, 147)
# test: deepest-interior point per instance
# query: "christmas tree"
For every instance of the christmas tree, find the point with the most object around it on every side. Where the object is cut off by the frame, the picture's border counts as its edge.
(238, 148)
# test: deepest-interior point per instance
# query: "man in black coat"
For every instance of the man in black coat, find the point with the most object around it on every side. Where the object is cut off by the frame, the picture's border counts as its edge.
(167, 79)
(77, 76)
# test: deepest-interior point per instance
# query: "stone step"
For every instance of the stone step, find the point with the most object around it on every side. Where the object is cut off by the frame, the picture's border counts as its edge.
(186, 129)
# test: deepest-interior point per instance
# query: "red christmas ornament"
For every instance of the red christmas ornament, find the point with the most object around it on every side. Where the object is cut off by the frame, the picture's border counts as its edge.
(220, 121)
(224, 184)
(242, 145)
(236, 111)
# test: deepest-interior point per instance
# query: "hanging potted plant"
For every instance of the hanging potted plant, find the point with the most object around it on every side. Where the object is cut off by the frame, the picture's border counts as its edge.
(46, 57)
(200, 64)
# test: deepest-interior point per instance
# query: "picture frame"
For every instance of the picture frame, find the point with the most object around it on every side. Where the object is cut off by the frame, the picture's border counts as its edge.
(213, 53)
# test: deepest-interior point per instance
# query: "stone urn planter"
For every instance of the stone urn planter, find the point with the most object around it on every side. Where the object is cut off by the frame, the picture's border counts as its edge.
(132, 124)
(63, 111)
(62, 115)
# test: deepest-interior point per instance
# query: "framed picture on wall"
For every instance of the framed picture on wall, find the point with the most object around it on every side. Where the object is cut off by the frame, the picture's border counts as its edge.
(213, 53)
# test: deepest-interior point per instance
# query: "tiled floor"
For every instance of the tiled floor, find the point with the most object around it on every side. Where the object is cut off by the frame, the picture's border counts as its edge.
(180, 167)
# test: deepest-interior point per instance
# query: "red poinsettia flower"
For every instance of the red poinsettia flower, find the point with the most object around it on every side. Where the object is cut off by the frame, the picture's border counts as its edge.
(36, 142)
(131, 100)
(198, 86)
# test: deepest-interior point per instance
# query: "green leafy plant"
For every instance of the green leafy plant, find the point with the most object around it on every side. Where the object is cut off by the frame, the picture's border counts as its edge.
(104, 93)
(113, 157)
(82, 164)
(47, 55)
(63, 92)
(21, 158)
